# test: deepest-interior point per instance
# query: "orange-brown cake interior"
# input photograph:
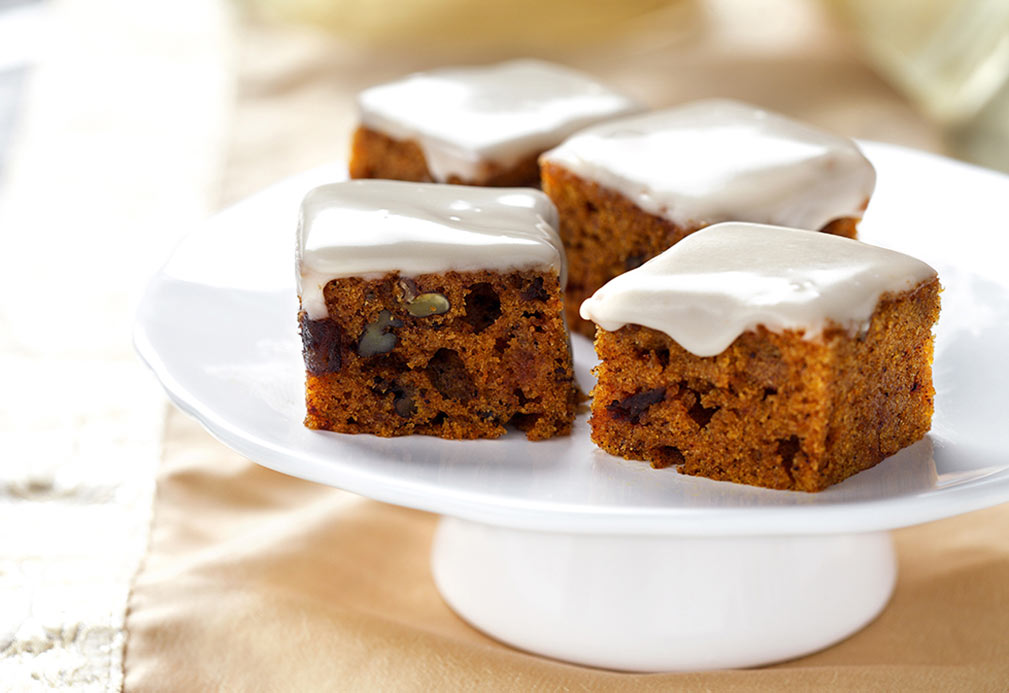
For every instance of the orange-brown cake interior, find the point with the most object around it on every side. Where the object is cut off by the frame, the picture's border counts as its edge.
(376, 155)
(774, 409)
(457, 355)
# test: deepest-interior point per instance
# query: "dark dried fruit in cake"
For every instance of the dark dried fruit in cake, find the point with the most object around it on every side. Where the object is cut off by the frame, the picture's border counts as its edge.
(321, 345)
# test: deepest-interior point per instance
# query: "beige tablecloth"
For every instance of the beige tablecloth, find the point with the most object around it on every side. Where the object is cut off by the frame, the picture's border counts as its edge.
(256, 581)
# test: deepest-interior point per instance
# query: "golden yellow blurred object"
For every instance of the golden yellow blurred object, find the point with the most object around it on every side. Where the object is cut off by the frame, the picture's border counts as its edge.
(489, 24)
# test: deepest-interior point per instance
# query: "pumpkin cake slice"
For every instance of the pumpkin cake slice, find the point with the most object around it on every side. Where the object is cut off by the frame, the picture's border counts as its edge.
(480, 125)
(629, 188)
(766, 356)
(433, 309)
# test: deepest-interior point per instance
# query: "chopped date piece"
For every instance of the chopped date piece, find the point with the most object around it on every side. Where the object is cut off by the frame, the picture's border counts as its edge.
(321, 341)
(631, 408)
(535, 291)
(483, 307)
(402, 401)
(449, 376)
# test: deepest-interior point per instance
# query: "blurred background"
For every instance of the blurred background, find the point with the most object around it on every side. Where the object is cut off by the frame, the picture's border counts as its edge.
(124, 123)
(276, 78)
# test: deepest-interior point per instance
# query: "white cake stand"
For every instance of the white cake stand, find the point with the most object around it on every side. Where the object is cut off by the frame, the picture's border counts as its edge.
(560, 549)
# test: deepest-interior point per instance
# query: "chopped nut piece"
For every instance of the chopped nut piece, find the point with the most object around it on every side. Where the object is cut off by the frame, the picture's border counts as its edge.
(428, 304)
(409, 289)
(377, 337)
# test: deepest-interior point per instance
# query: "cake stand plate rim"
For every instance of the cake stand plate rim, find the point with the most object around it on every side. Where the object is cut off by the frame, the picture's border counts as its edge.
(982, 482)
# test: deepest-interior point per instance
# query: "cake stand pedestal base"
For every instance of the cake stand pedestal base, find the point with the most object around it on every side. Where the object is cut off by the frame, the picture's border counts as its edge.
(661, 602)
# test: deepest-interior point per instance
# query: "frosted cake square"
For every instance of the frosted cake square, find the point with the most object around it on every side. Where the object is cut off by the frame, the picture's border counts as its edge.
(481, 125)
(433, 309)
(766, 356)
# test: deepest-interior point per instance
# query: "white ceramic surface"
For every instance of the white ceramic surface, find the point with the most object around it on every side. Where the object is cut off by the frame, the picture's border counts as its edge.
(218, 328)
(653, 603)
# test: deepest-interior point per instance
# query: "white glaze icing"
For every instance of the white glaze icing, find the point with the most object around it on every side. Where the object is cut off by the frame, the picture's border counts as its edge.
(721, 160)
(371, 227)
(728, 278)
(465, 117)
